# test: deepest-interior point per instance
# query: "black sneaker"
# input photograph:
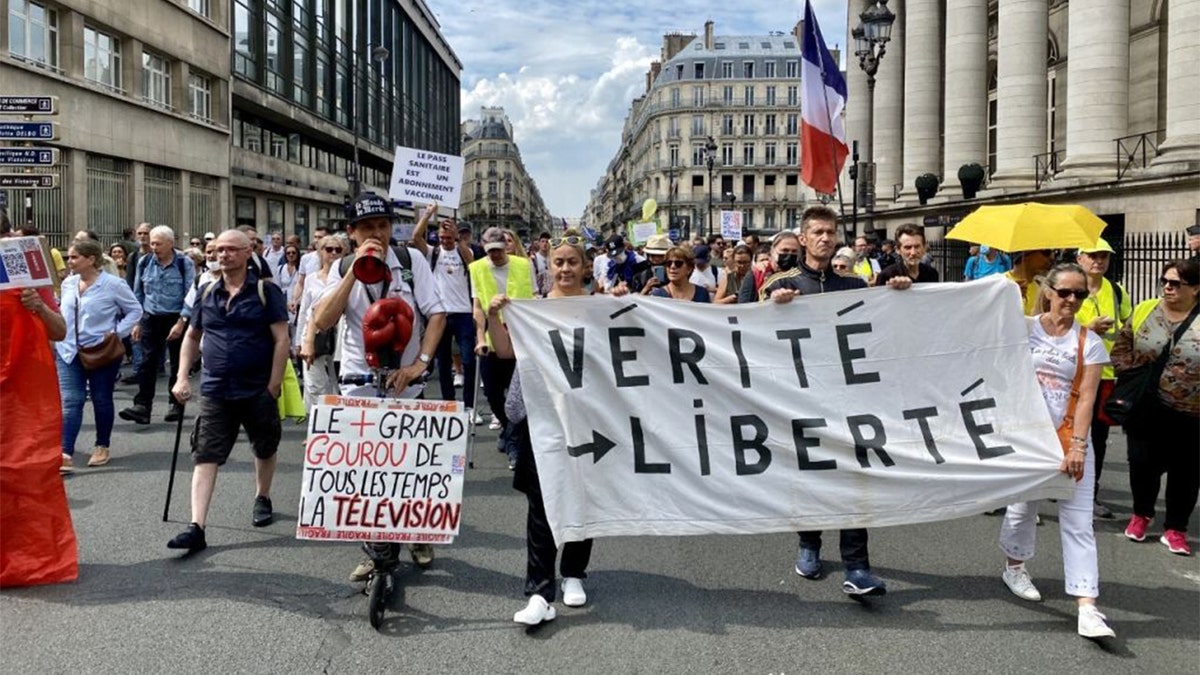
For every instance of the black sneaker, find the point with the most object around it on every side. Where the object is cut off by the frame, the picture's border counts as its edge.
(262, 512)
(174, 415)
(136, 413)
(1102, 511)
(191, 539)
(131, 378)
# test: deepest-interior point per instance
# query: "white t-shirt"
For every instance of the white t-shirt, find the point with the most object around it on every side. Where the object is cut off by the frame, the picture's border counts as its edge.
(310, 262)
(275, 257)
(427, 302)
(600, 272)
(314, 287)
(705, 278)
(1055, 362)
(450, 277)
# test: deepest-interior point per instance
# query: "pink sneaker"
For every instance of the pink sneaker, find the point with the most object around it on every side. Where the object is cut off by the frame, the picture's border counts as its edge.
(1176, 541)
(1136, 529)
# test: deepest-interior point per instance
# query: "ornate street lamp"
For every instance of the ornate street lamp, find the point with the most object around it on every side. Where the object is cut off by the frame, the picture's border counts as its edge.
(710, 157)
(871, 36)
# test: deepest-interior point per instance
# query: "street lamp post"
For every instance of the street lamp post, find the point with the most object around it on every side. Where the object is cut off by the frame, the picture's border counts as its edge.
(379, 54)
(671, 195)
(871, 36)
(732, 199)
(710, 157)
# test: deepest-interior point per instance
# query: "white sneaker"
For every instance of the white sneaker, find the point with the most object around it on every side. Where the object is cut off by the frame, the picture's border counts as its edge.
(573, 593)
(1092, 624)
(1018, 581)
(458, 380)
(537, 611)
(475, 418)
(494, 425)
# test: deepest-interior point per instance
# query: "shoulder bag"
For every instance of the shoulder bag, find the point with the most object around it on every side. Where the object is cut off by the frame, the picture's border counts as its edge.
(98, 356)
(1137, 386)
(1066, 430)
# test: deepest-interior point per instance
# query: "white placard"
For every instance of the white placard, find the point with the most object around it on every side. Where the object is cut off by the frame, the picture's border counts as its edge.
(731, 225)
(853, 409)
(24, 263)
(425, 177)
(643, 231)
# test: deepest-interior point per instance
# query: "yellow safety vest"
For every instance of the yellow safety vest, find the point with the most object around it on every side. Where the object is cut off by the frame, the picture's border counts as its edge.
(864, 269)
(1142, 312)
(1104, 303)
(519, 285)
(1032, 291)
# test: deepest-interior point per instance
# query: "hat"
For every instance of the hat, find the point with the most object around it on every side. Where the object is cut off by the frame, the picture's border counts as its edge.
(658, 244)
(368, 205)
(1193, 230)
(209, 236)
(702, 253)
(615, 244)
(464, 228)
(493, 239)
(1100, 246)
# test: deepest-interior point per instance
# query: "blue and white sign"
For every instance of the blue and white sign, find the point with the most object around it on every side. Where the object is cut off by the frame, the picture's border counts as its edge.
(29, 105)
(28, 156)
(28, 131)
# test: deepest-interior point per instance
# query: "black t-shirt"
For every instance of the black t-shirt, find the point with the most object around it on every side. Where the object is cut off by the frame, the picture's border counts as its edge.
(926, 274)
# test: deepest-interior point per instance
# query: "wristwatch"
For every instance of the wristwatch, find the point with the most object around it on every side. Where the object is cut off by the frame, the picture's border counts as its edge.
(425, 358)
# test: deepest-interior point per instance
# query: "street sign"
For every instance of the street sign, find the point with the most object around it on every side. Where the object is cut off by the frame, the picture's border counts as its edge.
(29, 131)
(28, 156)
(28, 181)
(28, 105)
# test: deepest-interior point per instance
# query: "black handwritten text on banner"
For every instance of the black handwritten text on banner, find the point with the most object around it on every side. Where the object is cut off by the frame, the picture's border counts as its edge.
(854, 409)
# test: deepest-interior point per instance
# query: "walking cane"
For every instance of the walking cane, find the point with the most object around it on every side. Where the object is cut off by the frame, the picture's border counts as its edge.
(174, 460)
(473, 412)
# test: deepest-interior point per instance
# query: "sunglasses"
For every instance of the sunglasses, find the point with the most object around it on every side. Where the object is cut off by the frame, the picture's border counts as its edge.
(333, 249)
(675, 263)
(572, 240)
(841, 267)
(1171, 283)
(195, 242)
(1064, 293)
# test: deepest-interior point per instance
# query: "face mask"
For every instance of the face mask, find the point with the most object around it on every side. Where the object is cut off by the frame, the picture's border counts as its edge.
(786, 261)
(619, 258)
(212, 265)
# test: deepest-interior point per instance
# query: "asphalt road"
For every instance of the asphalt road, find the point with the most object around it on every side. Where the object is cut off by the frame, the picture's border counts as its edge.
(259, 601)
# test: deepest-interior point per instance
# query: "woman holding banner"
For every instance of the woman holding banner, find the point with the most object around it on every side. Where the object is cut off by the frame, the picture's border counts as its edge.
(567, 258)
(1067, 359)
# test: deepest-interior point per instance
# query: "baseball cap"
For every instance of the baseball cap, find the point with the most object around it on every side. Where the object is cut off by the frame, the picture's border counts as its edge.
(702, 253)
(1100, 246)
(1193, 230)
(615, 244)
(209, 236)
(368, 205)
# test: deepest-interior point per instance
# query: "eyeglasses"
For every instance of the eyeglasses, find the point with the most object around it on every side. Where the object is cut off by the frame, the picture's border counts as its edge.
(675, 263)
(1064, 293)
(841, 267)
(572, 240)
(1172, 283)
(333, 249)
(195, 242)
(230, 249)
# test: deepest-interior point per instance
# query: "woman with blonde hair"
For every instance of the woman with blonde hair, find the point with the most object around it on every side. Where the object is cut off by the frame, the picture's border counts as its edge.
(512, 243)
(316, 348)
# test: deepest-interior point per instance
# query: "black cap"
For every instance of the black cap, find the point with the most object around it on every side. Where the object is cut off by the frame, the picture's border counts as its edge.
(615, 244)
(369, 205)
(1193, 230)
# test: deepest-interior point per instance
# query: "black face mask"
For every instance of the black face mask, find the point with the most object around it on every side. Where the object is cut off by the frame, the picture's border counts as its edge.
(787, 261)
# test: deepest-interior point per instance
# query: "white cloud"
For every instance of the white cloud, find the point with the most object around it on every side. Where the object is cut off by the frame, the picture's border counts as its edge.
(566, 73)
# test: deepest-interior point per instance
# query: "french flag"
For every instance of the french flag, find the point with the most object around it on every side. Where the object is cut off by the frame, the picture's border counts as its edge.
(823, 148)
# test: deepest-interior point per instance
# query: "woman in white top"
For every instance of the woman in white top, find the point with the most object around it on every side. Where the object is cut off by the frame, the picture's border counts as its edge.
(1054, 341)
(319, 377)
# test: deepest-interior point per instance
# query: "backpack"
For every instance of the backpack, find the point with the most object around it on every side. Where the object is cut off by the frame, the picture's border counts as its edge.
(180, 259)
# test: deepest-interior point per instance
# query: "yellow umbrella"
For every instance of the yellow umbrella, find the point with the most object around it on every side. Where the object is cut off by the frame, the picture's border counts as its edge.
(1030, 226)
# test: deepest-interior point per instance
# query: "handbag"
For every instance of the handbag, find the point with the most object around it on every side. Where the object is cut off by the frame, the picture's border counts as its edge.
(325, 341)
(1135, 386)
(98, 356)
(1066, 430)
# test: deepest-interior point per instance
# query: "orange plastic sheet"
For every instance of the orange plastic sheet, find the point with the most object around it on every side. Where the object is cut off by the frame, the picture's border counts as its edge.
(37, 540)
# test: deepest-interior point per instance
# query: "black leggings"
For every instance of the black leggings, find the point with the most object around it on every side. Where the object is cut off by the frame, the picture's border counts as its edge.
(1165, 441)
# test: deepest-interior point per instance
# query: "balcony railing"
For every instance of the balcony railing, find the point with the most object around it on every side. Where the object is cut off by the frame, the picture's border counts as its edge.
(1136, 151)
(1046, 166)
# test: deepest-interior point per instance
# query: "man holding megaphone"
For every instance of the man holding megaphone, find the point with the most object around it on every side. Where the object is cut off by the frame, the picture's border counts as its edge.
(394, 320)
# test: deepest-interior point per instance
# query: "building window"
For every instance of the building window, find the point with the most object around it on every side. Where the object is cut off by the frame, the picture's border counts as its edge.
(748, 70)
(727, 125)
(244, 62)
(698, 125)
(675, 97)
(102, 58)
(770, 95)
(698, 73)
(748, 154)
(727, 69)
(769, 154)
(673, 154)
(275, 54)
(200, 96)
(108, 193)
(697, 96)
(1051, 109)
(748, 95)
(199, 6)
(727, 154)
(162, 195)
(769, 126)
(204, 193)
(275, 215)
(792, 69)
(698, 154)
(793, 158)
(747, 124)
(245, 211)
(793, 124)
(769, 69)
(991, 123)
(727, 95)
(33, 32)
(793, 95)
(156, 80)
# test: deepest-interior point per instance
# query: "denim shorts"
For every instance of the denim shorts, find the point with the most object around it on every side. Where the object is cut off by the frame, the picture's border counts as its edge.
(220, 420)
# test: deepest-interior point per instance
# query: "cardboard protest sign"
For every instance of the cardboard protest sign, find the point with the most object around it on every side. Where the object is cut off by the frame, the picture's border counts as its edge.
(383, 470)
(425, 177)
(641, 232)
(731, 224)
(854, 409)
(25, 263)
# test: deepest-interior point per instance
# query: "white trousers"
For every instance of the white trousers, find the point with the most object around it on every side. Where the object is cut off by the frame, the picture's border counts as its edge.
(1081, 572)
(318, 380)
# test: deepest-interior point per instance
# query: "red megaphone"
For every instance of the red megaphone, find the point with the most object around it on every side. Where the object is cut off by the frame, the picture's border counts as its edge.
(371, 270)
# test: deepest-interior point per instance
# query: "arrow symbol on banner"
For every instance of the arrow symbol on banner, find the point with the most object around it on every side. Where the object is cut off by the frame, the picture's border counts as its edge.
(599, 447)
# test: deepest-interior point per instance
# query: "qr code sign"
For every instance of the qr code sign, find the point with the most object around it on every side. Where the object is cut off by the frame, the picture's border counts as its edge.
(14, 264)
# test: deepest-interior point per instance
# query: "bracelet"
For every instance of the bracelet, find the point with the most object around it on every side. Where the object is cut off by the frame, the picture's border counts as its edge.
(1079, 438)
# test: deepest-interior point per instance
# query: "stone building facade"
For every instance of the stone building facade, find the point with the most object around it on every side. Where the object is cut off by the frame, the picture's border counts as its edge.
(497, 189)
(1092, 102)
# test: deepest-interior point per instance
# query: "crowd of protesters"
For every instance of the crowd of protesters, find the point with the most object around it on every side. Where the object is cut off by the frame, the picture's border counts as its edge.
(249, 305)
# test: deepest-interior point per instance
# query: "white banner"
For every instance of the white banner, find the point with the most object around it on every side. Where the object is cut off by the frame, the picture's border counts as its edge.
(854, 409)
(731, 225)
(383, 470)
(425, 177)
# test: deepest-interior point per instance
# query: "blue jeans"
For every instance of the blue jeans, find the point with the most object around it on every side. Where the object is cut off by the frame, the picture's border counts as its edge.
(460, 327)
(74, 385)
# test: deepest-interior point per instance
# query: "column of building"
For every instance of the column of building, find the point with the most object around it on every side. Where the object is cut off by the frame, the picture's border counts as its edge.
(1182, 142)
(922, 91)
(888, 153)
(965, 88)
(856, 86)
(1020, 91)
(1098, 81)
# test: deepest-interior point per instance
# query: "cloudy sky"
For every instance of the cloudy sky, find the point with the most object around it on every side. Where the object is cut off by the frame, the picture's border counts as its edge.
(566, 71)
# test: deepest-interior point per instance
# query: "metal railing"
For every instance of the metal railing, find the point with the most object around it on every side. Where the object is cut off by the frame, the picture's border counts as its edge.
(1139, 260)
(1136, 151)
(1046, 166)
